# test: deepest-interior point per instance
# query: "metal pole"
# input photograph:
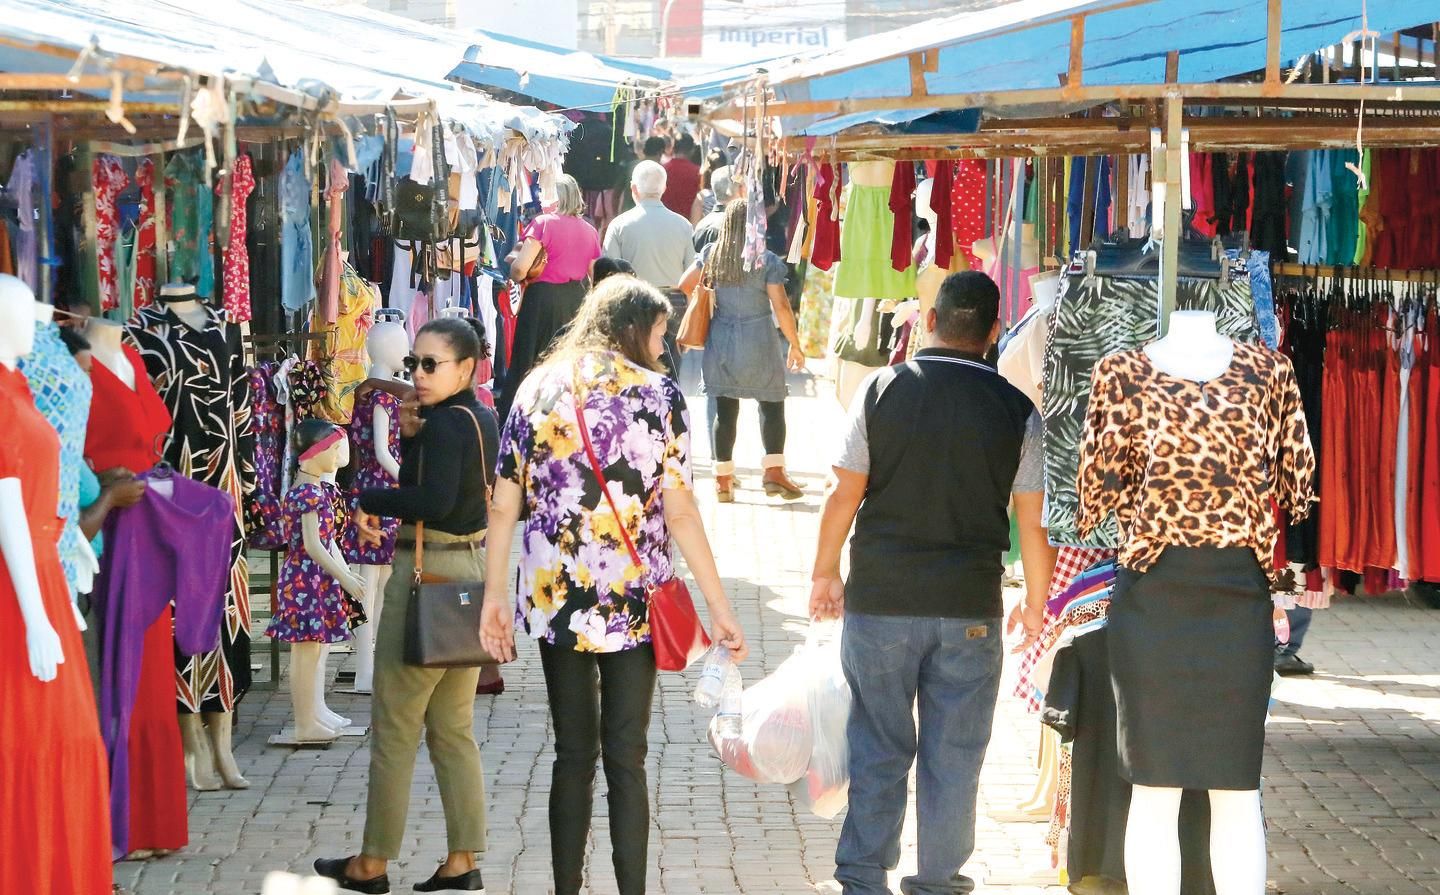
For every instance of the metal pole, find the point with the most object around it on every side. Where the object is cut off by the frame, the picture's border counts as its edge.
(1170, 259)
(664, 28)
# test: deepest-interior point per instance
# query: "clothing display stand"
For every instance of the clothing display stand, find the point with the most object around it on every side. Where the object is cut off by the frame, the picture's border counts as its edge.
(286, 737)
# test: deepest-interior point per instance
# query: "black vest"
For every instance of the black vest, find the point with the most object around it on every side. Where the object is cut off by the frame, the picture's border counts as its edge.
(945, 432)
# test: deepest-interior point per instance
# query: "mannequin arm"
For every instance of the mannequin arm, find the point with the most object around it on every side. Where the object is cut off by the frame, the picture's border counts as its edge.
(40, 637)
(334, 565)
(387, 461)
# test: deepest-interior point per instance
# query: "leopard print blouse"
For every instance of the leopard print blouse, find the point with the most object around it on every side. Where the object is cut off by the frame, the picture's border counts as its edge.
(1194, 464)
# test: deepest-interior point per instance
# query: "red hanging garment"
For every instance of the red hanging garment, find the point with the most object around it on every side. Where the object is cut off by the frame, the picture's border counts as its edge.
(967, 208)
(902, 204)
(943, 206)
(145, 289)
(826, 249)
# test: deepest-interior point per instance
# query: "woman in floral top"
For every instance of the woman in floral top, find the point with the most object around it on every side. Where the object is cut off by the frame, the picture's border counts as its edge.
(580, 594)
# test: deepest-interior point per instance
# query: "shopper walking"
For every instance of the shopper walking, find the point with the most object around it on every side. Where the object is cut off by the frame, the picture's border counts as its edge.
(744, 357)
(925, 473)
(708, 228)
(442, 483)
(571, 247)
(580, 594)
(656, 241)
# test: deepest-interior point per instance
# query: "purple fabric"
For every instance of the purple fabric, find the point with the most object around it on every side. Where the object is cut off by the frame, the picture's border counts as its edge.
(1083, 582)
(163, 549)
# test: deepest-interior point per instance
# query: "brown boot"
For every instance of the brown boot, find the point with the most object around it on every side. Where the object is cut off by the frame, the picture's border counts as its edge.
(777, 482)
(725, 481)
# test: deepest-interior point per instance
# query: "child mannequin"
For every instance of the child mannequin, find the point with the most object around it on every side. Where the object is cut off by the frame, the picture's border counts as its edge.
(375, 430)
(314, 579)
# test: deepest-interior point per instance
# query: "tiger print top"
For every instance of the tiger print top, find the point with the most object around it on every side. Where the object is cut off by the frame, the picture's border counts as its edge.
(1194, 464)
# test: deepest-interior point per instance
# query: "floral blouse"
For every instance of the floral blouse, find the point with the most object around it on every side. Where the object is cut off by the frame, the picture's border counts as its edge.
(1195, 464)
(578, 586)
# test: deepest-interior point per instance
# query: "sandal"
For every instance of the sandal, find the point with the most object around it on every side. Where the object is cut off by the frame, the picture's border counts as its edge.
(725, 488)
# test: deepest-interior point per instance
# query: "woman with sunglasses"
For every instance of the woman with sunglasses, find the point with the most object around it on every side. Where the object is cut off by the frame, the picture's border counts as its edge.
(581, 594)
(443, 477)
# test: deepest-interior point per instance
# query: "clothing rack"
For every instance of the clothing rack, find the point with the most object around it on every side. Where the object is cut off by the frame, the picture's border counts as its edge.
(1328, 271)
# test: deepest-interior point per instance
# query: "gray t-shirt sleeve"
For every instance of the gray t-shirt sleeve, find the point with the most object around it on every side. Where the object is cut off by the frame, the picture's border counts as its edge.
(855, 449)
(776, 271)
(1030, 477)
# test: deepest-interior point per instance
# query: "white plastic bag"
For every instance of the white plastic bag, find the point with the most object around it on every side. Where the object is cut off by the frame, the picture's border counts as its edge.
(824, 790)
(775, 744)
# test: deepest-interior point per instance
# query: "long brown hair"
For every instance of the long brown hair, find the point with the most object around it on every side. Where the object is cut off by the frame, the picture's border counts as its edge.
(617, 315)
(727, 262)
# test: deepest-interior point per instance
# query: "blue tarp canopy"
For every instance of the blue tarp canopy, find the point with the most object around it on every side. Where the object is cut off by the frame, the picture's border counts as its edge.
(569, 79)
(1026, 46)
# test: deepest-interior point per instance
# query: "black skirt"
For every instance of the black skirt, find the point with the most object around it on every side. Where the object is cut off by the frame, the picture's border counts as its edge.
(546, 309)
(1192, 651)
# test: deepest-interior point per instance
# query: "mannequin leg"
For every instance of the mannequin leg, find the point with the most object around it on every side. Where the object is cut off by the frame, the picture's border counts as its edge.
(323, 714)
(1152, 841)
(375, 578)
(221, 726)
(1042, 800)
(304, 668)
(199, 757)
(1237, 842)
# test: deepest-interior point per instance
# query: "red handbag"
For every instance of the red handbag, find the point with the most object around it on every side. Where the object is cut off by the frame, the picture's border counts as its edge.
(675, 629)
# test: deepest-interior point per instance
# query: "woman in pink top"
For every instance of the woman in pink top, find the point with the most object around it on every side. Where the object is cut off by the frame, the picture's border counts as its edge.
(551, 301)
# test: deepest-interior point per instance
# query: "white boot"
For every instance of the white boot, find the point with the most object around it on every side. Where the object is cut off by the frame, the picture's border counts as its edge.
(199, 757)
(375, 578)
(221, 727)
(304, 668)
(323, 714)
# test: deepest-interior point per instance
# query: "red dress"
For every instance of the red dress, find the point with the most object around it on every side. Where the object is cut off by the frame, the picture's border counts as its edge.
(127, 428)
(55, 822)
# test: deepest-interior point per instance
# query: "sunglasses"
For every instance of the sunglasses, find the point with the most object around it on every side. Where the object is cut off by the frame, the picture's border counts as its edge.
(428, 364)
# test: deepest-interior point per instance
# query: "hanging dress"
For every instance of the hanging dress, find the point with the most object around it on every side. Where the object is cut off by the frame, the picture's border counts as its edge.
(199, 376)
(55, 825)
(309, 601)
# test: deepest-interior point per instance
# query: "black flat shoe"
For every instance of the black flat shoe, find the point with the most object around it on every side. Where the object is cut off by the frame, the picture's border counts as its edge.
(465, 882)
(1291, 665)
(334, 868)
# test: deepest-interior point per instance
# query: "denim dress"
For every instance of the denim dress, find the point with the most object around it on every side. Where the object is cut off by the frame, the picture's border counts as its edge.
(744, 355)
(297, 245)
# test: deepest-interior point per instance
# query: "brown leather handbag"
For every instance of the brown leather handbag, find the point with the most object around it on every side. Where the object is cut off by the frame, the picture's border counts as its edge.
(695, 325)
(442, 627)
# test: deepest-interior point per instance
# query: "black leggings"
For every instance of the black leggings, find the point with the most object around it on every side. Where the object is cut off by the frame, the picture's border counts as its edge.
(727, 416)
(600, 706)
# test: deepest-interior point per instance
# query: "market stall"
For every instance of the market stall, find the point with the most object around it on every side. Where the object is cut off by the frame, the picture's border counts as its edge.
(1109, 163)
(227, 203)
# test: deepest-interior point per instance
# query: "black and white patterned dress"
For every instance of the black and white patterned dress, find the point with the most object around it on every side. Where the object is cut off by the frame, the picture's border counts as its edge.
(200, 375)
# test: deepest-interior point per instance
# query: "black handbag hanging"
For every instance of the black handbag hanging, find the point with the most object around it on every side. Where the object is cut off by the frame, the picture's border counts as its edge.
(442, 627)
(422, 209)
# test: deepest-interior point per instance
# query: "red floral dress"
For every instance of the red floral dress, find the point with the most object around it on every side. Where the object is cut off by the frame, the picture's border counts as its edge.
(310, 604)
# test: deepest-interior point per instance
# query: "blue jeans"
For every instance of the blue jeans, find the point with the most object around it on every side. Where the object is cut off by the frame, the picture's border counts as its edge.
(1299, 624)
(952, 666)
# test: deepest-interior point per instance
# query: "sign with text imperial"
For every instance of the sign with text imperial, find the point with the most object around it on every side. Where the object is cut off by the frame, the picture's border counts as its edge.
(744, 30)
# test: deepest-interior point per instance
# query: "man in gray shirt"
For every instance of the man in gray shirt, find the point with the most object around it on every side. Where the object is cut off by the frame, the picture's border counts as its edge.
(656, 242)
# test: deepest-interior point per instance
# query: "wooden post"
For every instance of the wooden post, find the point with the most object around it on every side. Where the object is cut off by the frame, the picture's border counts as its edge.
(1272, 45)
(1170, 260)
(1076, 75)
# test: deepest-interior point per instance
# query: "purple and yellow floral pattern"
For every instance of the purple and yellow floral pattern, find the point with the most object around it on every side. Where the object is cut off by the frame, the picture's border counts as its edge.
(310, 604)
(578, 586)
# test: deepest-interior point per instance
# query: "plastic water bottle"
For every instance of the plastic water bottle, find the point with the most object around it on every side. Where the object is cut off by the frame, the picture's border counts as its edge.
(728, 718)
(712, 677)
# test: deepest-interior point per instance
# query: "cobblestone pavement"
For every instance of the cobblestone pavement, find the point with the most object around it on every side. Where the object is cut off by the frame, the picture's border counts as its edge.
(1352, 775)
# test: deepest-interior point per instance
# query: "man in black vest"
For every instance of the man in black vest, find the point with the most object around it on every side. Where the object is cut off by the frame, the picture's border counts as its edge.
(925, 476)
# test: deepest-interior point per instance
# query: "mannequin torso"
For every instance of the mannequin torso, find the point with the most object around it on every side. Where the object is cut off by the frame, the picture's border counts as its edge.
(191, 312)
(1192, 348)
(879, 173)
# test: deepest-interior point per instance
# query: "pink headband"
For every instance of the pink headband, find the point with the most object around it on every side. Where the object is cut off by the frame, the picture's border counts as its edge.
(322, 445)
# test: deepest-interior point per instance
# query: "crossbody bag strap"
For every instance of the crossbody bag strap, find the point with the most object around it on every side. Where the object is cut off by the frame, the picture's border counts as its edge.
(600, 478)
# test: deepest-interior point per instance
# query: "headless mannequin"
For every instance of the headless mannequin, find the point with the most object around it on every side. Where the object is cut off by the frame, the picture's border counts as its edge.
(1045, 289)
(931, 275)
(208, 737)
(307, 684)
(1193, 349)
(387, 345)
(851, 374)
(104, 337)
(18, 310)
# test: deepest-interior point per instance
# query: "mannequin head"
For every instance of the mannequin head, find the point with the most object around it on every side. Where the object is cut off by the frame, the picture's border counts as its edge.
(923, 192)
(966, 316)
(1045, 287)
(321, 446)
(177, 294)
(17, 320)
(387, 344)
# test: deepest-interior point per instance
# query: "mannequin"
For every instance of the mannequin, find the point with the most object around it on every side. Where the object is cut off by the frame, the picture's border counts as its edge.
(106, 347)
(931, 274)
(375, 429)
(1195, 605)
(992, 256)
(52, 760)
(192, 353)
(311, 612)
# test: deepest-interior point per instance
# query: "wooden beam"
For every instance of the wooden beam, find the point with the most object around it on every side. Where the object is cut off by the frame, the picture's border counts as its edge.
(10, 81)
(1174, 159)
(1326, 271)
(1076, 76)
(66, 106)
(1272, 44)
(917, 75)
(1172, 67)
(108, 60)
